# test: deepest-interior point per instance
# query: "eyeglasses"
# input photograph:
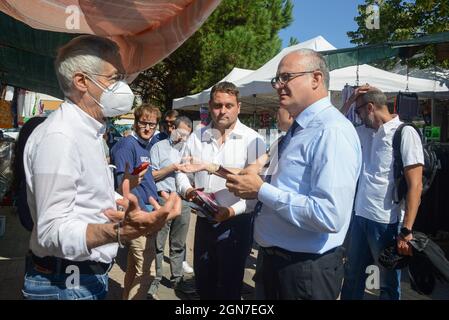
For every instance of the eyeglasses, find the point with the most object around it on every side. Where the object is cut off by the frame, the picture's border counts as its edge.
(357, 108)
(113, 79)
(285, 77)
(143, 124)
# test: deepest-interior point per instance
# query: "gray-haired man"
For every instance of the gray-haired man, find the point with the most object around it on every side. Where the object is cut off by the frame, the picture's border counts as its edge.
(69, 185)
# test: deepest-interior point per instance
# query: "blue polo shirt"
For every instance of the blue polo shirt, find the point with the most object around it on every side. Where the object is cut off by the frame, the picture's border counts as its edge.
(134, 151)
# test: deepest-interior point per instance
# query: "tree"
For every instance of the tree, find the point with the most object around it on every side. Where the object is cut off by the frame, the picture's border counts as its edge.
(239, 33)
(404, 20)
(293, 41)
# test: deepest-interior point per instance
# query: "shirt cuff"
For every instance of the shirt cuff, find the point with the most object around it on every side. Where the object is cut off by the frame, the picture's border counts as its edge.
(268, 195)
(239, 207)
(72, 236)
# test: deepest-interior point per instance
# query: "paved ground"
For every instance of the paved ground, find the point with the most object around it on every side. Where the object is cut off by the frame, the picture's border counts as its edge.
(14, 245)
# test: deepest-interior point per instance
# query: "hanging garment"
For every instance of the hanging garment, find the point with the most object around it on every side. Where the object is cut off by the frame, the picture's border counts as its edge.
(350, 114)
(407, 106)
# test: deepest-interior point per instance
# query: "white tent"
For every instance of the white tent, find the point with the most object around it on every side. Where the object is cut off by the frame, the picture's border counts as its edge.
(203, 97)
(257, 95)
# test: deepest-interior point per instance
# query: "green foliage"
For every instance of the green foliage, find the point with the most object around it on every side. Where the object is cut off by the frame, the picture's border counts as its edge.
(293, 41)
(239, 33)
(404, 20)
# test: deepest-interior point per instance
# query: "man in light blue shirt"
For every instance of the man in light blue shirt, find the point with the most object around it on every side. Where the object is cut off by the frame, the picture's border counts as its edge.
(305, 205)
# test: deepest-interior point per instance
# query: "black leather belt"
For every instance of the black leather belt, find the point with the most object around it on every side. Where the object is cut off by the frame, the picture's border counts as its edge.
(58, 265)
(290, 255)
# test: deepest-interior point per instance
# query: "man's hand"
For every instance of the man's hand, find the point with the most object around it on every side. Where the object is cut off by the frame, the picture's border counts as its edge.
(403, 245)
(224, 213)
(176, 209)
(191, 194)
(359, 92)
(245, 186)
(134, 180)
(192, 165)
(137, 222)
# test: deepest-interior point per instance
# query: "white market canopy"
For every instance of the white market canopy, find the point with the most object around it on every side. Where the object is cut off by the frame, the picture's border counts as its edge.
(257, 95)
(203, 97)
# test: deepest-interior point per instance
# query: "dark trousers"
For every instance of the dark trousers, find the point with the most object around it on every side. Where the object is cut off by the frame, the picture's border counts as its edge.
(220, 254)
(302, 276)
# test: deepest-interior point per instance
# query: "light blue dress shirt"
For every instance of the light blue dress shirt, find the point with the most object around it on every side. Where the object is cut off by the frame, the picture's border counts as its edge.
(307, 205)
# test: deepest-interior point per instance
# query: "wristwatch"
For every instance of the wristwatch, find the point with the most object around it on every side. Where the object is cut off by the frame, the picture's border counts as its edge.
(405, 232)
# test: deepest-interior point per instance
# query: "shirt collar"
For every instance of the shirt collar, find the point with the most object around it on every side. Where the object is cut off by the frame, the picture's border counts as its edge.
(94, 127)
(311, 111)
(239, 130)
(392, 124)
(140, 140)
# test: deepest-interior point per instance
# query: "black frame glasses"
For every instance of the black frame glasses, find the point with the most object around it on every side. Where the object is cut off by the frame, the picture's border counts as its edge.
(144, 124)
(357, 108)
(285, 77)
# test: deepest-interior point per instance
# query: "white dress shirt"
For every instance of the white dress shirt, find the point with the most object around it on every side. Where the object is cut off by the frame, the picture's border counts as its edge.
(308, 203)
(374, 198)
(69, 185)
(241, 148)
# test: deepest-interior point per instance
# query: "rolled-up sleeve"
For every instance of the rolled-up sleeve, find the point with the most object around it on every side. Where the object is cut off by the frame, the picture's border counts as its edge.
(325, 207)
(54, 180)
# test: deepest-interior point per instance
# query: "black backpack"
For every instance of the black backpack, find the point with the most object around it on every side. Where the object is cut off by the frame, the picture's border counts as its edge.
(431, 165)
(19, 172)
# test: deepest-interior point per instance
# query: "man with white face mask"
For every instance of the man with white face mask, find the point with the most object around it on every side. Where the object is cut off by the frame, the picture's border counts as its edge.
(70, 188)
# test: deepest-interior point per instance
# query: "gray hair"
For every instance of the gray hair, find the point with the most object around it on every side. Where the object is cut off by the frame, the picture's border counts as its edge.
(315, 61)
(374, 95)
(185, 120)
(85, 53)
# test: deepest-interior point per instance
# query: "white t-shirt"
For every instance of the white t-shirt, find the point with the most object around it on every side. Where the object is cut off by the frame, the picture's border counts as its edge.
(374, 198)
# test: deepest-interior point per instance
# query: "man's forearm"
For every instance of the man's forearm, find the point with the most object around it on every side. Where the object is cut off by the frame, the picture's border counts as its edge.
(413, 200)
(100, 234)
(162, 173)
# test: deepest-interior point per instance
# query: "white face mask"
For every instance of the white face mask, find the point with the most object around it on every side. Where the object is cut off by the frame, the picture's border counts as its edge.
(116, 100)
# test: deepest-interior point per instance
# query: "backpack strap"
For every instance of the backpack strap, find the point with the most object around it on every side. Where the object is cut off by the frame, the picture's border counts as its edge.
(398, 165)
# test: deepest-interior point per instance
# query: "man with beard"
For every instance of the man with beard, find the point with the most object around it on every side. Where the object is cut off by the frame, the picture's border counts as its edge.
(377, 215)
(222, 245)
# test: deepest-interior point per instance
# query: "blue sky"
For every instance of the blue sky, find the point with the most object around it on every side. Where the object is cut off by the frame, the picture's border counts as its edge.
(328, 18)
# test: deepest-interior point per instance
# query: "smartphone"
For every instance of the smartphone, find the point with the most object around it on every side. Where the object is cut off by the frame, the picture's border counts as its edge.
(140, 168)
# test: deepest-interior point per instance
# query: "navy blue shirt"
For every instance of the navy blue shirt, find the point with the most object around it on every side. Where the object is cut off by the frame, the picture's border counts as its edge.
(129, 149)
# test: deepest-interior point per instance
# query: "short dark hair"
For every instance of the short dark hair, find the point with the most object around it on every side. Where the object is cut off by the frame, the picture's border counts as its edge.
(171, 114)
(185, 120)
(226, 87)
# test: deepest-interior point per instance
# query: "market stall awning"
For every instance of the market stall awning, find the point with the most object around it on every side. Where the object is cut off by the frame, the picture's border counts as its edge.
(146, 31)
(341, 58)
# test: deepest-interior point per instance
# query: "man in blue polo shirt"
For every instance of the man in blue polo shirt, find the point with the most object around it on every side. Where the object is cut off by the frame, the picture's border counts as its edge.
(127, 154)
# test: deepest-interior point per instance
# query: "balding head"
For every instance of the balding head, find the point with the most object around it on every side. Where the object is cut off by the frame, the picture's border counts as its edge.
(302, 79)
(309, 59)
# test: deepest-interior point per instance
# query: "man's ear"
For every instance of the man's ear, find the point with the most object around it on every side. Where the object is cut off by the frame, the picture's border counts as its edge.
(79, 82)
(317, 78)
